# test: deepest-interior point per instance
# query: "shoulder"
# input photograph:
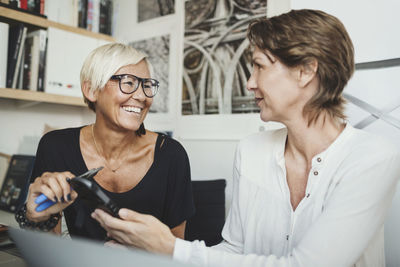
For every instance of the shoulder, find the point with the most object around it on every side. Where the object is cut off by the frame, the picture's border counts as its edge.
(170, 146)
(364, 143)
(61, 136)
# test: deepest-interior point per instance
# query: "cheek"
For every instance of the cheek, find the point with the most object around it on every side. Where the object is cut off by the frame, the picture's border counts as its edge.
(149, 101)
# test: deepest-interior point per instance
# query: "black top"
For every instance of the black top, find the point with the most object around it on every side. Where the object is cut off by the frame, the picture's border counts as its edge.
(164, 192)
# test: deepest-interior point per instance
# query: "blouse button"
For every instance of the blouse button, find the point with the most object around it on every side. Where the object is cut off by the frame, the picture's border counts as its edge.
(319, 159)
(315, 173)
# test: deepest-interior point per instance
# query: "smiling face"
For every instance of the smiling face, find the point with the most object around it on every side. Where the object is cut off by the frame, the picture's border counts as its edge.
(276, 88)
(124, 111)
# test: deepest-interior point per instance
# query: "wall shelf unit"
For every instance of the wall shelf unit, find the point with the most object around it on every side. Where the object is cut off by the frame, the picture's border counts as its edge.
(12, 16)
(9, 15)
(40, 97)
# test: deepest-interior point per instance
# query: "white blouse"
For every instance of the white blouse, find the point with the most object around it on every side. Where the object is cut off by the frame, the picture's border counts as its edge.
(338, 223)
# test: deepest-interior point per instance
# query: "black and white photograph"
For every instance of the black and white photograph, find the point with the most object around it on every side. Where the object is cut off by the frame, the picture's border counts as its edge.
(150, 9)
(157, 48)
(217, 56)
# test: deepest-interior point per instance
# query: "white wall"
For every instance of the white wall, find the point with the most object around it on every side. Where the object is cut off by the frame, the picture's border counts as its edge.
(22, 125)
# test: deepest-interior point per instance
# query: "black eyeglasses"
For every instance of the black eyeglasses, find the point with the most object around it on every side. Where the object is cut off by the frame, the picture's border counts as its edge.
(129, 83)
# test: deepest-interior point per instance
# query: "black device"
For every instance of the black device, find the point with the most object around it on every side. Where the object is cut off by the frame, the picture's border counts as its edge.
(91, 194)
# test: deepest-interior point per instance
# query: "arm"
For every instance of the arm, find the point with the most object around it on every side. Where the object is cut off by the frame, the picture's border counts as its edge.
(232, 232)
(52, 184)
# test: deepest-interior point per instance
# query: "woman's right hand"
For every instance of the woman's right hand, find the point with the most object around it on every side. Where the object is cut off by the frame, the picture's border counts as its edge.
(54, 186)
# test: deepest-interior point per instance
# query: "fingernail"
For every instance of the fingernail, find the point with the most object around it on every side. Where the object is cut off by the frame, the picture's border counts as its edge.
(69, 197)
(122, 212)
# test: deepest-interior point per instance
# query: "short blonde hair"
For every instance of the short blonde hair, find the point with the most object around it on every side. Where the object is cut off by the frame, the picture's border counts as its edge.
(105, 61)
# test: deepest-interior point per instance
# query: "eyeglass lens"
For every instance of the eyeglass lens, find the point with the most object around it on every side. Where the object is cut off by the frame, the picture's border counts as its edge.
(129, 84)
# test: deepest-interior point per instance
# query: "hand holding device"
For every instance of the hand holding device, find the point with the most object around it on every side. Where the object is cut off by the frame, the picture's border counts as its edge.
(44, 202)
(93, 196)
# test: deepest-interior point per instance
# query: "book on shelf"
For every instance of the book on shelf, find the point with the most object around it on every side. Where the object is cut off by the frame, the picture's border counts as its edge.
(23, 4)
(4, 28)
(34, 60)
(33, 56)
(42, 59)
(105, 16)
(16, 38)
(19, 59)
(82, 13)
(93, 15)
(21, 70)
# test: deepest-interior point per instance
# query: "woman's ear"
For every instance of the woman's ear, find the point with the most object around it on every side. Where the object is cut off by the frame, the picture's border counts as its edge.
(91, 95)
(308, 72)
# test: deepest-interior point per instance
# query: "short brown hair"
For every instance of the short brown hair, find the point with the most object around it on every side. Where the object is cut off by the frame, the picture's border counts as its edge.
(300, 36)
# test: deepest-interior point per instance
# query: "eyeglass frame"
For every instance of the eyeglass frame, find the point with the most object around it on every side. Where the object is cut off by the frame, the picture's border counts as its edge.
(141, 81)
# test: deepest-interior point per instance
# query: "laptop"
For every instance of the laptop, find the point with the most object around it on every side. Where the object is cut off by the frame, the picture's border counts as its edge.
(48, 250)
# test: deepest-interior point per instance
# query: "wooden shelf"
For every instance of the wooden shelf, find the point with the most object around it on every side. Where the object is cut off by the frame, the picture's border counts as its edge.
(14, 15)
(26, 95)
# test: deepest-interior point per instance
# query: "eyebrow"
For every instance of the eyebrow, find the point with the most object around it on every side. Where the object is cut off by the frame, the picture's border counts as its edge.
(270, 57)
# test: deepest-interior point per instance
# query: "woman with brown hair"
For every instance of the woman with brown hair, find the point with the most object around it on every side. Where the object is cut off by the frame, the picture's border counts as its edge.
(314, 193)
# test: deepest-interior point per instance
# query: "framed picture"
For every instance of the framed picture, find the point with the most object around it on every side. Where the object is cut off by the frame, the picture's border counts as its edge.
(16, 182)
(217, 57)
(150, 9)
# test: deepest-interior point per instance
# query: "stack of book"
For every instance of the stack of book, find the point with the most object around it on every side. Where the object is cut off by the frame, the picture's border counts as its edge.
(92, 15)
(26, 58)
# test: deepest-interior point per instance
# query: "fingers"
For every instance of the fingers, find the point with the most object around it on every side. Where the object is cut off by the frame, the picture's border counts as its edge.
(130, 215)
(107, 221)
(53, 186)
(57, 183)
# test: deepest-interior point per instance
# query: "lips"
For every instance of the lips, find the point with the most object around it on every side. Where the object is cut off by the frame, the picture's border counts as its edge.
(258, 99)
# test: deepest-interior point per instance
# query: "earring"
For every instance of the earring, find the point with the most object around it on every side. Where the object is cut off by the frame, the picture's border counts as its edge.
(141, 130)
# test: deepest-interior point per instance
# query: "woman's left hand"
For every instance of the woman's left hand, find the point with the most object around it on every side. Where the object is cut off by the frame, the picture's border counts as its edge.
(137, 230)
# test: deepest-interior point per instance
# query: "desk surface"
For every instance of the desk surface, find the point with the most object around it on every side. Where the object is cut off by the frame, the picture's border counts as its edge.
(7, 218)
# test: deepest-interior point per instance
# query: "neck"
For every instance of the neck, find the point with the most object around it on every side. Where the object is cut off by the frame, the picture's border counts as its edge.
(306, 141)
(112, 143)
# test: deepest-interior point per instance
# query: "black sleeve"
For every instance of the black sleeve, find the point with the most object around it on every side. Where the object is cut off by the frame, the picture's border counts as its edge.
(55, 153)
(179, 200)
(43, 158)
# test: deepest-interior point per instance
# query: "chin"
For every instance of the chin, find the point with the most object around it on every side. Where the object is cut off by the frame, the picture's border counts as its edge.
(131, 126)
(265, 117)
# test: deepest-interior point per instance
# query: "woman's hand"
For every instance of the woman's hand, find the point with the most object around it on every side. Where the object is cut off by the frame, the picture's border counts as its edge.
(54, 186)
(138, 230)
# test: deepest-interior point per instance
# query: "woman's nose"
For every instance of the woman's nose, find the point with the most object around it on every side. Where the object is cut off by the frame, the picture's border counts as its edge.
(139, 93)
(251, 83)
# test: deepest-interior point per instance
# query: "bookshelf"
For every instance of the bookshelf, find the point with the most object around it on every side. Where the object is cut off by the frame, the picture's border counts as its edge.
(35, 96)
(9, 15)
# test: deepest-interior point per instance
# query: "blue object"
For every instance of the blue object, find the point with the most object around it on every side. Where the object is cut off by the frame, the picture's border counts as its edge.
(43, 204)
(40, 199)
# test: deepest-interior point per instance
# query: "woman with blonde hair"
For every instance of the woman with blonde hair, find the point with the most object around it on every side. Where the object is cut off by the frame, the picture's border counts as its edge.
(143, 170)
